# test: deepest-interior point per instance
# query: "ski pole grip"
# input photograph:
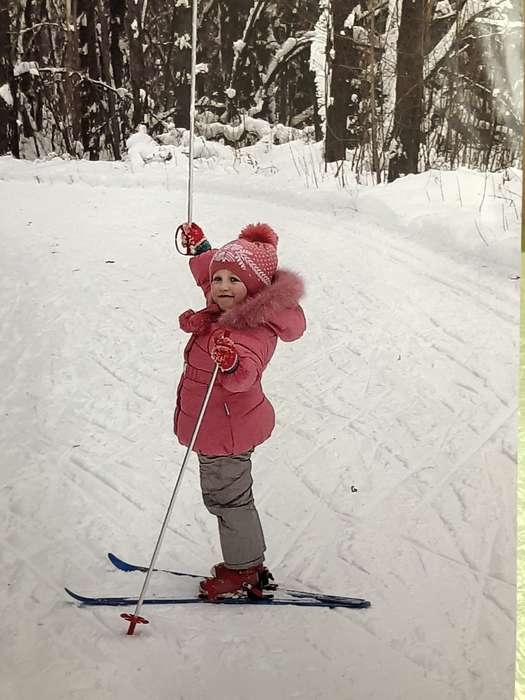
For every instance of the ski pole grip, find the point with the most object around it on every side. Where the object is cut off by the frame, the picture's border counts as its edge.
(178, 236)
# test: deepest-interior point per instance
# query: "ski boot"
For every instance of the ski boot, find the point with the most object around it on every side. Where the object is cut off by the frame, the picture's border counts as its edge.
(236, 583)
(265, 575)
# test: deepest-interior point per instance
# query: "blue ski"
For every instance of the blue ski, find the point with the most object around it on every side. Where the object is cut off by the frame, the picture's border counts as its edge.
(328, 600)
(126, 566)
(302, 600)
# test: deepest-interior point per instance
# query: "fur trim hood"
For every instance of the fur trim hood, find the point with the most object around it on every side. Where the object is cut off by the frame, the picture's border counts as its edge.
(269, 307)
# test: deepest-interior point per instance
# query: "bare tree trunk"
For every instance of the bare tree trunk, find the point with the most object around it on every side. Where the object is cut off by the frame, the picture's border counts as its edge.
(409, 89)
(90, 107)
(230, 19)
(114, 126)
(27, 37)
(28, 101)
(117, 11)
(240, 55)
(8, 96)
(343, 67)
(137, 66)
(243, 87)
(169, 77)
(182, 66)
(70, 107)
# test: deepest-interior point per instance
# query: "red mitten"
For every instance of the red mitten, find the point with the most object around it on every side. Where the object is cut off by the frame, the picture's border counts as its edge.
(193, 239)
(223, 352)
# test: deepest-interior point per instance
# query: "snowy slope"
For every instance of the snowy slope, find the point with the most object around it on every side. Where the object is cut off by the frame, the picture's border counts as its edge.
(404, 388)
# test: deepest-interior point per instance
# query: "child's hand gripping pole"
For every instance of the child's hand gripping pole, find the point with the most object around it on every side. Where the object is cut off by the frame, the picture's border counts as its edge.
(222, 351)
(192, 240)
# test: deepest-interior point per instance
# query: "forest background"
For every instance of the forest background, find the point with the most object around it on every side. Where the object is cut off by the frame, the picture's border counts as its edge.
(390, 87)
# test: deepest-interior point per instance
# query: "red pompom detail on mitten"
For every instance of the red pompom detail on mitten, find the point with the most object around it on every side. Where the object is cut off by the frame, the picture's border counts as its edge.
(223, 352)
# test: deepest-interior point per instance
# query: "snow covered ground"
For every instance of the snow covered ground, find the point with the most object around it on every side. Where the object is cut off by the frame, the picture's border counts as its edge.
(390, 475)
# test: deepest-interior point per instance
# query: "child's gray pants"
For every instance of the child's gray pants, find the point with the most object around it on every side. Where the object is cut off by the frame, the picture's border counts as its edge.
(226, 484)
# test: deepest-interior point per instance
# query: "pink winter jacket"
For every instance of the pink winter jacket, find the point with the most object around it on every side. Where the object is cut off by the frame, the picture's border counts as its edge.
(238, 416)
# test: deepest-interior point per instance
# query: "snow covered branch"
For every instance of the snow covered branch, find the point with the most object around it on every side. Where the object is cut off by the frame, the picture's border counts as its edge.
(471, 10)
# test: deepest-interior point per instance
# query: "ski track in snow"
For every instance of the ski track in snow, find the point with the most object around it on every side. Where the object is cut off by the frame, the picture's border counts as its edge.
(390, 473)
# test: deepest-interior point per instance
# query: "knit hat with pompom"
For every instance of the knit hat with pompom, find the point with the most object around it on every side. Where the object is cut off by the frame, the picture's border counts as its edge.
(252, 257)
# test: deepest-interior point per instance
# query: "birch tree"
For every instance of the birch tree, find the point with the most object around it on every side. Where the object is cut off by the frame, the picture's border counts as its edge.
(387, 69)
(319, 65)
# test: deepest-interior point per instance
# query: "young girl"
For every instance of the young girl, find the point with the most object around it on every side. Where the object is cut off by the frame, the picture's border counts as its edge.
(250, 304)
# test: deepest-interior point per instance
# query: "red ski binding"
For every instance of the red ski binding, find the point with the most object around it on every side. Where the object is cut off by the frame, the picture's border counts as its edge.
(134, 620)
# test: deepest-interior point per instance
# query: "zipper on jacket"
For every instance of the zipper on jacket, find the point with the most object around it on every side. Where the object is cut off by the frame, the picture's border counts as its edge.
(227, 411)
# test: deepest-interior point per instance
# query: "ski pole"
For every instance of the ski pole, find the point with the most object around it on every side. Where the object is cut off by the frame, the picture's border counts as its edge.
(192, 123)
(135, 618)
(192, 107)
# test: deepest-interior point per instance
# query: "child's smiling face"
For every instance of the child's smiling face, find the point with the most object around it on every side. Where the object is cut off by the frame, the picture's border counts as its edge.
(227, 289)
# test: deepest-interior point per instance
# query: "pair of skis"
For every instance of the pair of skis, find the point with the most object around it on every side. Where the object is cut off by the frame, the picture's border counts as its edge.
(282, 596)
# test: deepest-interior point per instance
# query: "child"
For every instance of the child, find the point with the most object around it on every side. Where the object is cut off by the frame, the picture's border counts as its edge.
(250, 304)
